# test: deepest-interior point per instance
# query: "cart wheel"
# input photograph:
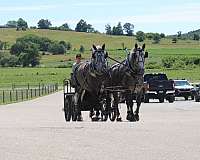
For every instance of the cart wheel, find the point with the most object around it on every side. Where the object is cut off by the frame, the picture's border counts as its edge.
(67, 108)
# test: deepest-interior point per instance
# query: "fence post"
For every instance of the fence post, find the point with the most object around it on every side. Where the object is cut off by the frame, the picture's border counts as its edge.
(22, 94)
(3, 97)
(28, 86)
(35, 92)
(39, 89)
(10, 96)
(27, 94)
(31, 93)
(16, 95)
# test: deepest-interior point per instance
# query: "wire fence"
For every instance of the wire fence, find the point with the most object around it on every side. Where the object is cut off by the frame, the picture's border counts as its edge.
(17, 94)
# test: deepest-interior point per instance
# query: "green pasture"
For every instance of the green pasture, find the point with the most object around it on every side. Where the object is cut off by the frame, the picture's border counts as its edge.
(32, 76)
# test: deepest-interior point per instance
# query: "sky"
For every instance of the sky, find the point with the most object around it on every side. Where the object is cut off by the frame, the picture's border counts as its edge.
(169, 16)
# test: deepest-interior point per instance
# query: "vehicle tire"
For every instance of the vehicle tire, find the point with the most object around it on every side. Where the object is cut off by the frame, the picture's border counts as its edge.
(171, 99)
(186, 98)
(161, 99)
(146, 99)
(197, 99)
(67, 109)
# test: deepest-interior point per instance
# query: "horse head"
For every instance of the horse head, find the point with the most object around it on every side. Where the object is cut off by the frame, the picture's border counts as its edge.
(99, 59)
(136, 59)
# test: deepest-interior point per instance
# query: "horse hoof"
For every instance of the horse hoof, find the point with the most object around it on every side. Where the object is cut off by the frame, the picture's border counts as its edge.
(137, 118)
(79, 118)
(95, 119)
(119, 119)
(129, 117)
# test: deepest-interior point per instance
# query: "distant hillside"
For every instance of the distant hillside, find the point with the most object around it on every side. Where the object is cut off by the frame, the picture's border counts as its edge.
(75, 38)
(87, 39)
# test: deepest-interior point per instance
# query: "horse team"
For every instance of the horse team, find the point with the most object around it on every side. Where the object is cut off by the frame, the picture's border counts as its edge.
(99, 87)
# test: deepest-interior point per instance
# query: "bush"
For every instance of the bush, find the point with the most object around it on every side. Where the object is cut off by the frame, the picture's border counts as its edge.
(56, 48)
(153, 65)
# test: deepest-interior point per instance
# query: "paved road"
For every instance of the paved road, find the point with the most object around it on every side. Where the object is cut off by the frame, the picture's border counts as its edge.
(36, 130)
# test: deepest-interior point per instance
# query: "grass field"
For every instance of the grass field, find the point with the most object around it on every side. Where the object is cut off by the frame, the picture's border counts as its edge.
(32, 76)
(49, 74)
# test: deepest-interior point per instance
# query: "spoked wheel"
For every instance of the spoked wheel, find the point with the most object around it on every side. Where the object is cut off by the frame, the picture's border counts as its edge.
(68, 109)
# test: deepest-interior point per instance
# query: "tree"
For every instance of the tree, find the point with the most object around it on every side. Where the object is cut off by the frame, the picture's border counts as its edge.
(196, 37)
(12, 24)
(17, 48)
(81, 26)
(156, 38)
(65, 26)
(179, 34)
(162, 35)
(117, 30)
(128, 28)
(149, 35)
(108, 29)
(140, 36)
(30, 56)
(69, 46)
(56, 48)
(22, 24)
(44, 24)
(90, 29)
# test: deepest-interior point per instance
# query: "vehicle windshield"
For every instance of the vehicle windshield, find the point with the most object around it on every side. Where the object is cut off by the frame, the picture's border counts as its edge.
(181, 83)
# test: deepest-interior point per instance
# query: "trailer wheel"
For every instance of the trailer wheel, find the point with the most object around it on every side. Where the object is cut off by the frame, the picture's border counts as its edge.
(161, 99)
(68, 108)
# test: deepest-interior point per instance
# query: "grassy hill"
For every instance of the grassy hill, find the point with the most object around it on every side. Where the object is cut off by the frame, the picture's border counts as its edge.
(113, 44)
(87, 39)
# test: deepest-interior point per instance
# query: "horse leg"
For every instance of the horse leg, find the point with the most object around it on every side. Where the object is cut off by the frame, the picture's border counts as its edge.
(129, 104)
(77, 111)
(138, 101)
(114, 108)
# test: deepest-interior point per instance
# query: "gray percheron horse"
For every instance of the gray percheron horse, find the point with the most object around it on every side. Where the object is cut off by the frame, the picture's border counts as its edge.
(89, 77)
(129, 75)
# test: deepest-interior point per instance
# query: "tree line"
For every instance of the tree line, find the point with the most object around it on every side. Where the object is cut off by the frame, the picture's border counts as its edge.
(81, 26)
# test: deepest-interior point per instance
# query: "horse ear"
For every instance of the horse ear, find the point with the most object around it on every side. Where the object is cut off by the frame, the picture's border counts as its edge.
(136, 46)
(106, 55)
(94, 47)
(103, 47)
(143, 46)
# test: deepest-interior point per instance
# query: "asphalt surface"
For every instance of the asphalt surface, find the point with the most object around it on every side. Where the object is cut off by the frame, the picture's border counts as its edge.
(36, 130)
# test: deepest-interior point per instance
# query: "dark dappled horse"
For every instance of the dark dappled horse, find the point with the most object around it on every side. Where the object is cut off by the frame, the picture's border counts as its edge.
(89, 77)
(129, 75)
